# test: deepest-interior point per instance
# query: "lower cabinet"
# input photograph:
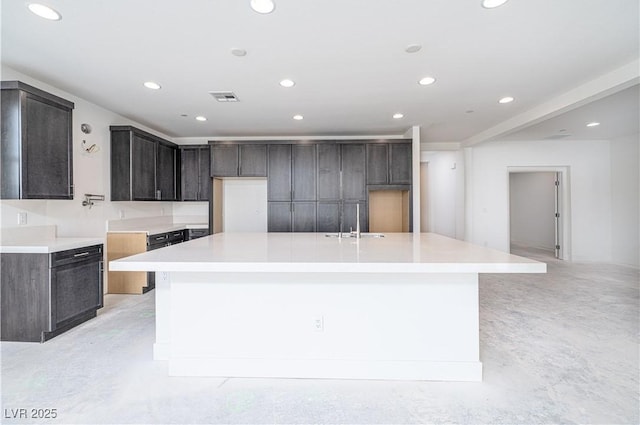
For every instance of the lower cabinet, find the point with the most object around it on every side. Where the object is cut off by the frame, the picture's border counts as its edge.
(44, 295)
(329, 216)
(196, 233)
(120, 245)
(291, 216)
(349, 216)
(341, 216)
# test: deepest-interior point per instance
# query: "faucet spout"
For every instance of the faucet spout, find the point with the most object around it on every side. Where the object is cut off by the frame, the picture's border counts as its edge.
(358, 220)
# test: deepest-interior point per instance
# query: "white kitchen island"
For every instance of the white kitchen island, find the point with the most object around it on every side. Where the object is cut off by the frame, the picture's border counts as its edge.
(304, 305)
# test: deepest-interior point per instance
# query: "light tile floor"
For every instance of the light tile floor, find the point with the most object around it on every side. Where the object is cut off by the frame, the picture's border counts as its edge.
(556, 348)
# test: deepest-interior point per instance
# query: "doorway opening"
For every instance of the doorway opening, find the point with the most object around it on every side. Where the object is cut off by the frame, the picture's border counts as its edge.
(538, 211)
(239, 205)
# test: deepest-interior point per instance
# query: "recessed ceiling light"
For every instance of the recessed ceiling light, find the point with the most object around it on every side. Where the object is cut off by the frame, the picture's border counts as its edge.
(398, 116)
(201, 118)
(263, 6)
(287, 83)
(506, 99)
(593, 124)
(238, 52)
(425, 81)
(412, 48)
(490, 4)
(44, 11)
(298, 117)
(152, 85)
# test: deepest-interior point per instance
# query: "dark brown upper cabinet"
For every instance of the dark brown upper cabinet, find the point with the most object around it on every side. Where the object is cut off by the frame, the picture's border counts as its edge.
(389, 163)
(238, 160)
(195, 178)
(36, 150)
(279, 179)
(144, 167)
(353, 172)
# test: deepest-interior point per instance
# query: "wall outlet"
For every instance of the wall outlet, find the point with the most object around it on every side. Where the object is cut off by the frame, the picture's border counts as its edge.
(121, 214)
(318, 323)
(22, 218)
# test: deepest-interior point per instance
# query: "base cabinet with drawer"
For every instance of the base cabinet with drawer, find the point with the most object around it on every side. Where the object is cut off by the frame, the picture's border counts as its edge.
(44, 295)
(125, 244)
(196, 233)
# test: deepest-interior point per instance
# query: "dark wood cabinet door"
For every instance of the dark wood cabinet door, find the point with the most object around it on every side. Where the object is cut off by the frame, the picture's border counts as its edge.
(25, 296)
(377, 163)
(143, 169)
(253, 161)
(279, 173)
(190, 173)
(328, 216)
(224, 161)
(47, 152)
(121, 166)
(166, 172)
(400, 163)
(304, 172)
(303, 216)
(195, 174)
(204, 192)
(328, 172)
(349, 215)
(77, 289)
(279, 217)
(353, 172)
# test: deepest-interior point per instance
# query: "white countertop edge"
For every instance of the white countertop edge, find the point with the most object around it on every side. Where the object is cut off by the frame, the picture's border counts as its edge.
(50, 246)
(239, 267)
(153, 230)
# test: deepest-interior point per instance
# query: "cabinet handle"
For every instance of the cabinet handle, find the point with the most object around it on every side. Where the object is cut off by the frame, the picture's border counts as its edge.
(158, 195)
(82, 254)
(159, 238)
(101, 283)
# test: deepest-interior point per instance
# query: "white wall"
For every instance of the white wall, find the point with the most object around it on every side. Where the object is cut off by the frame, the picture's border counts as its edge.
(625, 189)
(91, 174)
(532, 209)
(444, 182)
(487, 203)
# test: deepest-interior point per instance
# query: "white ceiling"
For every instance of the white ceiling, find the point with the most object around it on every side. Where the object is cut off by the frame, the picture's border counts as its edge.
(347, 58)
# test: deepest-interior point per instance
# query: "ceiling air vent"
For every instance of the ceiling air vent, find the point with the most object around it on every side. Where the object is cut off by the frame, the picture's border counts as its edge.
(224, 96)
(557, 136)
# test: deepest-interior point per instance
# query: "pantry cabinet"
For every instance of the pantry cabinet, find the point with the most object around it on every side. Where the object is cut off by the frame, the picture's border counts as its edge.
(317, 186)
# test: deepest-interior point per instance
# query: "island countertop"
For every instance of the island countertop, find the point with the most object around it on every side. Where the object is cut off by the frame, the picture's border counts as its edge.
(317, 253)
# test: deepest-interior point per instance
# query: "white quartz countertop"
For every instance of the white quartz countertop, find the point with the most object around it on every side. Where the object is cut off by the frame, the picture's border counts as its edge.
(47, 246)
(316, 253)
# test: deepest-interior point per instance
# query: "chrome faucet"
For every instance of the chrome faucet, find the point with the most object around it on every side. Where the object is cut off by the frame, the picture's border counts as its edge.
(357, 232)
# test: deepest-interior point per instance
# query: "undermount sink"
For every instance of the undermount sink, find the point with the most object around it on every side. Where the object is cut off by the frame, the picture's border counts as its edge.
(353, 235)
